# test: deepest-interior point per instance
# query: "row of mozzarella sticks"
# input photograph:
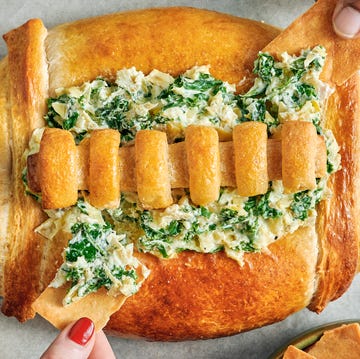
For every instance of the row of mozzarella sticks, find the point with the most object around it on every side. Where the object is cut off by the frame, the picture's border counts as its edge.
(152, 167)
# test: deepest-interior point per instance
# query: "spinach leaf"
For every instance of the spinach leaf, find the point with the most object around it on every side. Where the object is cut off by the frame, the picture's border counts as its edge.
(53, 119)
(81, 249)
(87, 260)
(204, 83)
(99, 280)
(82, 206)
(256, 206)
(91, 232)
(297, 67)
(301, 204)
(303, 92)
(173, 99)
(158, 239)
(120, 272)
(259, 206)
(199, 91)
(113, 113)
(265, 67)
(80, 136)
(174, 228)
(329, 167)
(73, 275)
(205, 212)
(254, 109)
(85, 241)
(230, 220)
(194, 231)
(70, 121)
(246, 246)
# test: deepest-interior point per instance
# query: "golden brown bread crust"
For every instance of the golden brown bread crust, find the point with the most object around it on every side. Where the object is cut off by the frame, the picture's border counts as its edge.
(27, 92)
(194, 295)
(170, 40)
(336, 223)
(205, 296)
(5, 167)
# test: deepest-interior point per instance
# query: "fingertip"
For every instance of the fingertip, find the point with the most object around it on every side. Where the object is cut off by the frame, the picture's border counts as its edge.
(102, 347)
(76, 341)
(82, 331)
(346, 20)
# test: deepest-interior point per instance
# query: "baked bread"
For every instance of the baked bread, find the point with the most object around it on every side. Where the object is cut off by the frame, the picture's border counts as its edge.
(194, 295)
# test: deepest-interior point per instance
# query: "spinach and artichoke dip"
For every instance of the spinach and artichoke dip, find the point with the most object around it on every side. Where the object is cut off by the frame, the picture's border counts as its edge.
(100, 253)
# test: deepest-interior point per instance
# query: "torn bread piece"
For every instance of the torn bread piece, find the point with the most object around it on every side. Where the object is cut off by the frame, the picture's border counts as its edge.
(339, 343)
(313, 28)
(292, 352)
(50, 306)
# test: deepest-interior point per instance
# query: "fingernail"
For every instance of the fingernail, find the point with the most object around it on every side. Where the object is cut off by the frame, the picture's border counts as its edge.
(347, 22)
(82, 331)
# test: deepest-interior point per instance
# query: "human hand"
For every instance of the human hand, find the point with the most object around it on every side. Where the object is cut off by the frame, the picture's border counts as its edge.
(78, 341)
(346, 18)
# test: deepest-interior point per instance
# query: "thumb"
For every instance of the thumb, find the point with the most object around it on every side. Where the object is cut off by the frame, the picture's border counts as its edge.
(75, 342)
(346, 18)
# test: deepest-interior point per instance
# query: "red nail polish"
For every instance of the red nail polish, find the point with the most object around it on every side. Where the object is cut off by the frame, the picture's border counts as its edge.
(82, 331)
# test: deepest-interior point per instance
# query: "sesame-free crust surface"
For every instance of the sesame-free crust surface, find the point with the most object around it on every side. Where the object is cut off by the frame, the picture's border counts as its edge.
(194, 295)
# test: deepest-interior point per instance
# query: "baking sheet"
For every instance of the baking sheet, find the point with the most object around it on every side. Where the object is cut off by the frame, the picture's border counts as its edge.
(29, 340)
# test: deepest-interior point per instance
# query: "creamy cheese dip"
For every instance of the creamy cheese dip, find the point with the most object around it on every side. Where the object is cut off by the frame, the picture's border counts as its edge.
(287, 90)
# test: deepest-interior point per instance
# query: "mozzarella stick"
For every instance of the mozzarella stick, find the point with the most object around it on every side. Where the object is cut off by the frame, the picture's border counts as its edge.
(58, 174)
(104, 169)
(250, 151)
(298, 147)
(203, 158)
(152, 169)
